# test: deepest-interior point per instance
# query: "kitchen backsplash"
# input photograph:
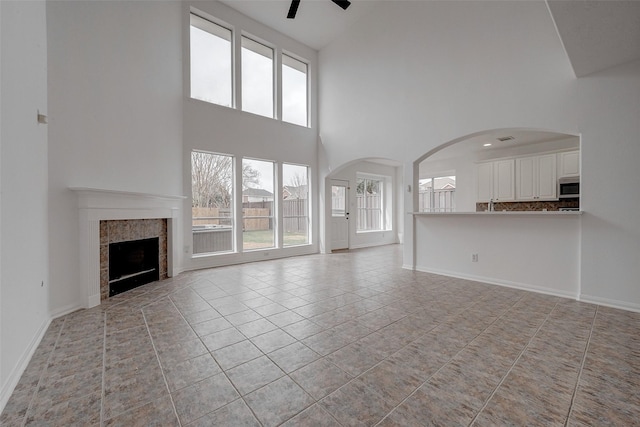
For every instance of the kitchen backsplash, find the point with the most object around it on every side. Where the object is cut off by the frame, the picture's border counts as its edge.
(530, 206)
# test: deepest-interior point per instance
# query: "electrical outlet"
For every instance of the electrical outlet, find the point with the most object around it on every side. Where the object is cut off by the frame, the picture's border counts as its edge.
(474, 257)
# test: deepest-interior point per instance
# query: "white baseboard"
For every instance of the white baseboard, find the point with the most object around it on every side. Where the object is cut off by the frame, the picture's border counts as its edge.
(62, 311)
(18, 370)
(622, 305)
(498, 282)
(372, 245)
(407, 267)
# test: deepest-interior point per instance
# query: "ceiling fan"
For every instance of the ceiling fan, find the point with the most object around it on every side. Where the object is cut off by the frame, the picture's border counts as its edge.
(293, 9)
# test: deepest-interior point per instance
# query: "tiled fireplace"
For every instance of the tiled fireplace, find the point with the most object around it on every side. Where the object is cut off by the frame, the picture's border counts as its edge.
(108, 216)
(122, 231)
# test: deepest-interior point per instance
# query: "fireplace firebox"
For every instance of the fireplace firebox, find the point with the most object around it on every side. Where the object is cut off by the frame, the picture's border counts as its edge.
(133, 263)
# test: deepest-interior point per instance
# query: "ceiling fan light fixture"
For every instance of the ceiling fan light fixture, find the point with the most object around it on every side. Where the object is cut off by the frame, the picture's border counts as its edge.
(293, 9)
(344, 4)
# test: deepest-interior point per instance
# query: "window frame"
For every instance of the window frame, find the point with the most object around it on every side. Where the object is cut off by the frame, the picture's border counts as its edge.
(237, 34)
(255, 45)
(232, 207)
(382, 184)
(297, 59)
(273, 217)
(213, 27)
(307, 205)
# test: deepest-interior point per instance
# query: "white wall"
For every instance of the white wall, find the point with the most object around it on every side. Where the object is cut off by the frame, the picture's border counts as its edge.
(24, 283)
(115, 97)
(371, 238)
(218, 129)
(609, 106)
(415, 75)
(536, 252)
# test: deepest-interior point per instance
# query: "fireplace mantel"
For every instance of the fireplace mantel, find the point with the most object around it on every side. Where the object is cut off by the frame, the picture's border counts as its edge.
(96, 205)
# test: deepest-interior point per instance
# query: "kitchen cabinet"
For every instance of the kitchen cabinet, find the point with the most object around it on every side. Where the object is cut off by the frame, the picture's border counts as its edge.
(536, 178)
(485, 181)
(496, 181)
(568, 164)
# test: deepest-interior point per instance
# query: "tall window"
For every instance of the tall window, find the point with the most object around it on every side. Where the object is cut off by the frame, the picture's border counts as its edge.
(257, 78)
(212, 202)
(369, 193)
(295, 205)
(437, 194)
(211, 78)
(294, 91)
(257, 204)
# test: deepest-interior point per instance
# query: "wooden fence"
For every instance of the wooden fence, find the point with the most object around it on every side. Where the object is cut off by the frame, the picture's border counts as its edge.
(258, 216)
(369, 212)
(442, 201)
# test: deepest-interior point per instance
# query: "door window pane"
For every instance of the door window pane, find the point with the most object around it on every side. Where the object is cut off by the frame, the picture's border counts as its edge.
(257, 78)
(212, 202)
(294, 91)
(257, 204)
(295, 205)
(211, 78)
(338, 200)
(369, 204)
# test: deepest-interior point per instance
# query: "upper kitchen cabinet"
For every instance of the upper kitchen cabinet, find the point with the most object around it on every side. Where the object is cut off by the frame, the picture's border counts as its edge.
(568, 164)
(496, 181)
(536, 178)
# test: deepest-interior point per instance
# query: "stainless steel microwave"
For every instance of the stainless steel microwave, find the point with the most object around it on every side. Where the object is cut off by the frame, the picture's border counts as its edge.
(569, 187)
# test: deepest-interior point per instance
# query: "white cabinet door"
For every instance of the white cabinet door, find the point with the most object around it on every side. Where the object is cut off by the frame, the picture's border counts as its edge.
(485, 182)
(503, 180)
(525, 178)
(536, 178)
(547, 177)
(569, 164)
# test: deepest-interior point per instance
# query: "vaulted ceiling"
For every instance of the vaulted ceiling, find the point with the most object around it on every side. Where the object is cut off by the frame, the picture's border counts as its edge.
(596, 34)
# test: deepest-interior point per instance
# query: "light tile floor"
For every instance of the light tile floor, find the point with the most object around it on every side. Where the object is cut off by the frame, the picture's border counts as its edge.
(328, 340)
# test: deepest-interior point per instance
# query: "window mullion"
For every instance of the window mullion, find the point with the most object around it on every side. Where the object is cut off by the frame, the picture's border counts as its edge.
(237, 70)
(277, 85)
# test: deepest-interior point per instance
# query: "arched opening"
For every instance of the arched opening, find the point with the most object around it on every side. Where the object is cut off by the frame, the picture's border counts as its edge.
(362, 204)
(513, 169)
(506, 226)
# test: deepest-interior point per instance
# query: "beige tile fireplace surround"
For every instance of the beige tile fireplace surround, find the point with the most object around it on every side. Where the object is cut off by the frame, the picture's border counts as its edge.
(128, 216)
(125, 230)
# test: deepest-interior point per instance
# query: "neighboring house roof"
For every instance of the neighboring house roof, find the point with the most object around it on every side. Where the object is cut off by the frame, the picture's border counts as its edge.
(442, 183)
(300, 190)
(257, 192)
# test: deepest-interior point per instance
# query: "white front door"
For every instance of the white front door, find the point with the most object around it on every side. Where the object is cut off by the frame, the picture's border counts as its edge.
(339, 214)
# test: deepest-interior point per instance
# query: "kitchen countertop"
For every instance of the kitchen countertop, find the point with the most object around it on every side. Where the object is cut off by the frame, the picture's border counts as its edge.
(508, 213)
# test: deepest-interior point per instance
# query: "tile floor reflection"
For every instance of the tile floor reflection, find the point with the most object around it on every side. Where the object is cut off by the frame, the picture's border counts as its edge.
(345, 339)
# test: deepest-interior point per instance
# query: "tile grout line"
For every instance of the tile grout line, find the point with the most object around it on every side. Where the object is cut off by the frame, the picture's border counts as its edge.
(450, 359)
(584, 359)
(42, 374)
(504, 377)
(155, 350)
(401, 348)
(222, 371)
(104, 367)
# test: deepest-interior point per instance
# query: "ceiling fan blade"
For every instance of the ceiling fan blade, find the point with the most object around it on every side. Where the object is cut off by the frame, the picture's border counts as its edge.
(293, 9)
(344, 4)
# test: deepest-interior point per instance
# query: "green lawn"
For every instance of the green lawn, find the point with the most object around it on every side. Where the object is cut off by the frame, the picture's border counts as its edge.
(259, 239)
